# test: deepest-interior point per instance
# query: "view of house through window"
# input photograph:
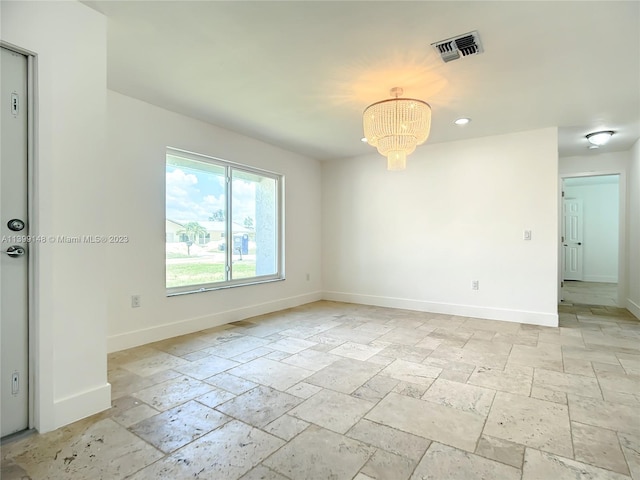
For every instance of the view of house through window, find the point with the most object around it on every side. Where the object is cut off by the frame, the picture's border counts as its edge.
(223, 224)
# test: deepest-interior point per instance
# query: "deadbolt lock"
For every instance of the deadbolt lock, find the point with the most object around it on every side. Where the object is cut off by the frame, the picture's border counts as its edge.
(15, 224)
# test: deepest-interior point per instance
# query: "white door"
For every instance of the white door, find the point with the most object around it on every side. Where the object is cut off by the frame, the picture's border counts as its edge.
(14, 227)
(572, 239)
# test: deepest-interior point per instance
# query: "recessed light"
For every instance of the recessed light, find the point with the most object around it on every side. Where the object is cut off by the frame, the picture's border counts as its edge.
(364, 140)
(593, 147)
(600, 138)
(462, 121)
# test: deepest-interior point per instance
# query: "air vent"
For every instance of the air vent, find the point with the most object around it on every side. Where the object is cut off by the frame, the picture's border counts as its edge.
(465, 45)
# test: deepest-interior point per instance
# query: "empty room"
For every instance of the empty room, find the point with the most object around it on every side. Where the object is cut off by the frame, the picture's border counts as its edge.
(309, 240)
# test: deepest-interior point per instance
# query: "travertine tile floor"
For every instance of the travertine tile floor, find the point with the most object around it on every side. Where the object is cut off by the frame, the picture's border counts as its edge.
(342, 391)
(594, 293)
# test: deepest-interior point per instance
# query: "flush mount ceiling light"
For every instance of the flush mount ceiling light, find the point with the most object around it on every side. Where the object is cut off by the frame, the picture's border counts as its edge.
(599, 138)
(462, 121)
(396, 126)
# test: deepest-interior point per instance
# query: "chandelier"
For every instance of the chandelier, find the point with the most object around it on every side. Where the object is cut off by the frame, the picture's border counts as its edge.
(396, 126)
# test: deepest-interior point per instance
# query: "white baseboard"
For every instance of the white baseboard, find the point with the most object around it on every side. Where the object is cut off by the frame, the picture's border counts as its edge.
(76, 407)
(633, 307)
(600, 278)
(518, 316)
(147, 335)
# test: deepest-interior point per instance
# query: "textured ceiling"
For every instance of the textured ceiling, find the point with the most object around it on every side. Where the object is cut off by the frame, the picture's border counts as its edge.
(299, 74)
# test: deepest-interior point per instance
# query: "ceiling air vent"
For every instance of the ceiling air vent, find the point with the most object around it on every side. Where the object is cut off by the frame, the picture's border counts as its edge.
(465, 45)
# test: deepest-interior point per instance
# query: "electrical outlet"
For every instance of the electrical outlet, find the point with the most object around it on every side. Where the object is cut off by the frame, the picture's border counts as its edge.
(135, 301)
(475, 285)
(527, 235)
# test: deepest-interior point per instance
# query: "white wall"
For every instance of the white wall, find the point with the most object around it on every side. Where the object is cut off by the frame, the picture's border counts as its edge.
(416, 239)
(600, 229)
(633, 229)
(70, 298)
(135, 174)
(609, 164)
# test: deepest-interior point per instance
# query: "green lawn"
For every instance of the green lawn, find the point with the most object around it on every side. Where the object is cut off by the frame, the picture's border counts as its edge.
(182, 274)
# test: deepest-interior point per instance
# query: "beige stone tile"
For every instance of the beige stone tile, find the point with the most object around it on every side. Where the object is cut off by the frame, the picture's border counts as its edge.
(589, 353)
(181, 346)
(549, 395)
(617, 382)
(236, 346)
(598, 446)
(531, 422)
(253, 354)
(599, 367)
(345, 375)
(470, 357)
(376, 388)
(291, 345)
(102, 450)
(410, 389)
(561, 339)
(206, 367)
(468, 398)
(262, 473)
(630, 363)
(333, 410)
(227, 452)
(623, 398)
(389, 439)
(566, 382)
(278, 356)
(578, 367)
(513, 379)
(357, 351)
(428, 420)
(384, 465)
(154, 362)
(270, 373)
(133, 415)
(629, 444)
(304, 390)
(215, 397)
(311, 360)
(231, 383)
(178, 426)
(286, 427)
(545, 355)
(320, 454)
(427, 343)
(259, 406)
(544, 466)
(501, 450)
(485, 346)
(411, 372)
(443, 461)
(166, 395)
(403, 336)
(599, 413)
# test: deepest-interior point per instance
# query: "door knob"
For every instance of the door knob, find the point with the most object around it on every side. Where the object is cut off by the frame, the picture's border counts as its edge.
(579, 243)
(15, 251)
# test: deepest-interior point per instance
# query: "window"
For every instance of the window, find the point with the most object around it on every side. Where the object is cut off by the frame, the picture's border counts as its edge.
(223, 224)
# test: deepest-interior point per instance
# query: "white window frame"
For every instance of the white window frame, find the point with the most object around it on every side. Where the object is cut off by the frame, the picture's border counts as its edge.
(229, 167)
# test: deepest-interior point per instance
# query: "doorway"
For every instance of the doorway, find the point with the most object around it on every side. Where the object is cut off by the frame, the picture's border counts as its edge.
(590, 239)
(14, 226)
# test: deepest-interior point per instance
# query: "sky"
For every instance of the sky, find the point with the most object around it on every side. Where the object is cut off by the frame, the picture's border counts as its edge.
(193, 195)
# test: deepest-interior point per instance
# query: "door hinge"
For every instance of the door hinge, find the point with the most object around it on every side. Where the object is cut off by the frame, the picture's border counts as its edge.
(15, 100)
(563, 194)
(15, 383)
(562, 239)
(561, 284)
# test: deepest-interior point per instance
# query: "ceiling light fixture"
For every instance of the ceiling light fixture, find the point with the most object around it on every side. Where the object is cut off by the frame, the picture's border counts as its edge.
(396, 126)
(600, 138)
(462, 121)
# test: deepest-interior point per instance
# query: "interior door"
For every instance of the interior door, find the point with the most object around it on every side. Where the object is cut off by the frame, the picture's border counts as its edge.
(572, 239)
(14, 228)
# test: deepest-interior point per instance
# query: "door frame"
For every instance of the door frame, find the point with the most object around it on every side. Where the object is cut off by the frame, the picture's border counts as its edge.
(33, 227)
(622, 228)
